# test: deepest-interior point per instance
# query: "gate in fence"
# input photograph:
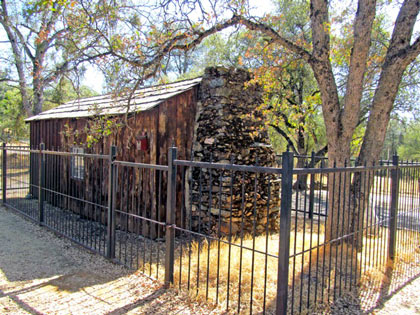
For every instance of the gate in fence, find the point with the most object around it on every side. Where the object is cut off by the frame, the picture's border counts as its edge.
(237, 235)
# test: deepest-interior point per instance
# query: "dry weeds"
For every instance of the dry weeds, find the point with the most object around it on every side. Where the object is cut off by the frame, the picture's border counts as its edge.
(228, 274)
(57, 279)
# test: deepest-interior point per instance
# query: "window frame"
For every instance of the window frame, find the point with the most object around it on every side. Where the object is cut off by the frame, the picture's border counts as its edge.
(77, 164)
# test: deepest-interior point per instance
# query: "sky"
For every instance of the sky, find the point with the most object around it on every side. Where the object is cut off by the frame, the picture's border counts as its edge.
(95, 80)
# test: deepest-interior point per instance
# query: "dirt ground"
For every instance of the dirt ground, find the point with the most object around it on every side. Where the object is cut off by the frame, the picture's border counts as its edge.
(405, 302)
(41, 273)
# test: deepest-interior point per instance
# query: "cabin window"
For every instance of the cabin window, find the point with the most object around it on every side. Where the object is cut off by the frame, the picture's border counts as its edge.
(77, 164)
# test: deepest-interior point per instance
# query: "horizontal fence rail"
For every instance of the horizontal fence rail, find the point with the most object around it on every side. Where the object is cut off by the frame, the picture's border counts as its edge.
(252, 239)
(138, 207)
(49, 189)
(225, 218)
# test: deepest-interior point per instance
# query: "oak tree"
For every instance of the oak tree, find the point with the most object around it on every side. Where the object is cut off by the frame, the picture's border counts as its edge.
(40, 35)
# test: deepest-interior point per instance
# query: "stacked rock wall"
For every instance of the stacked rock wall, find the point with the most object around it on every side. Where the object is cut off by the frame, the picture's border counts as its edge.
(228, 129)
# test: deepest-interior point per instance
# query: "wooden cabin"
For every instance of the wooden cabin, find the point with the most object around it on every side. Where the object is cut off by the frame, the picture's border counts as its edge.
(160, 114)
(205, 118)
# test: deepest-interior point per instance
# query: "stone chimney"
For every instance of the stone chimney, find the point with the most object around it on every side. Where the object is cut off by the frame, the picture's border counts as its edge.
(229, 128)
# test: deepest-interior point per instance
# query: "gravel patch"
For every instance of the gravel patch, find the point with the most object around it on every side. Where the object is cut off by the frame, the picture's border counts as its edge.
(406, 301)
(41, 273)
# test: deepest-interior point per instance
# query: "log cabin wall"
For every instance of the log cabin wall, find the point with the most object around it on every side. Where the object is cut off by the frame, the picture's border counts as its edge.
(218, 118)
(171, 122)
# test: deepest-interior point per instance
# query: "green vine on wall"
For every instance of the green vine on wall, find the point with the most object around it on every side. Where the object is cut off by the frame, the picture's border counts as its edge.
(95, 130)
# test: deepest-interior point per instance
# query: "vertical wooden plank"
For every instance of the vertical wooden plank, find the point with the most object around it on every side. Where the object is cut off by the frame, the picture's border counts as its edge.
(172, 120)
(192, 110)
(47, 134)
(31, 162)
(163, 136)
(161, 153)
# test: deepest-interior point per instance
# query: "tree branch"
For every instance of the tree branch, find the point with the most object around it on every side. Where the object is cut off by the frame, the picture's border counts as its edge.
(19, 62)
(413, 51)
(358, 63)
(398, 56)
(322, 151)
(275, 36)
(321, 66)
(286, 120)
(23, 43)
(286, 137)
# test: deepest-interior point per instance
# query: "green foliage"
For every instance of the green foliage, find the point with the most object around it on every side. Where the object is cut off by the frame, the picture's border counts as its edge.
(394, 136)
(292, 109)
(220, 49)
(12, 116)
(135, 42)
(98, 128)
(357, 140)
(408, 93)
(291, 106)
(342, 41)
(65, 91)
(12, 124)
(410, 146)
(292, 19)
(291, 98)
(216, 50)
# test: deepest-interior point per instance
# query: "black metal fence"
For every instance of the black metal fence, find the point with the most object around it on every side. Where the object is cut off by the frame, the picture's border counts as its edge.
(243, 237)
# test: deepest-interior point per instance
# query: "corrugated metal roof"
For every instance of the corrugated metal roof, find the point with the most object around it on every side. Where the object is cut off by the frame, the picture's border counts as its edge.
(142, 99)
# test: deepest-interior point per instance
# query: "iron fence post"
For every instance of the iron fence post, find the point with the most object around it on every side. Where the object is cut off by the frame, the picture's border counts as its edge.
(312, 187)
(394, 208)
(4, 172)
(110, 248)
(284, 241)
(170, 217)
(41, 183)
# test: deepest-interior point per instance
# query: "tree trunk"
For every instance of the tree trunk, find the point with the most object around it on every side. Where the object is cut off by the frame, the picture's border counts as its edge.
(360, 192)
(399, 55)
(38, 96)
(19, 60)
(338, 190)
(301, 182)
